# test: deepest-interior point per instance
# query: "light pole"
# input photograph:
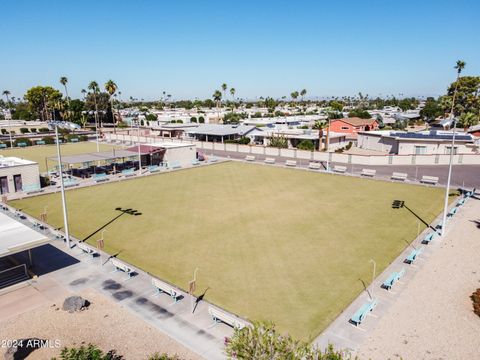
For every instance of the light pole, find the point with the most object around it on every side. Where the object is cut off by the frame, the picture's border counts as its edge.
(139, 152)
(373, 275)
(70, 126)
(447, 190)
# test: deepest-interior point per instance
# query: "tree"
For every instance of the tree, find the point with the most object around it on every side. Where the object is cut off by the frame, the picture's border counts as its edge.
(467, 120)
(320, 125)
(303, 93)
(93, 86)
(217, 97)
(41, 98)
(64, 82)
(459, 66)
(232, 92)
(431, 110)
(294, 95)
(76, 107)
(224, 90)
(84, 93)
(263, 342)
(362, 114)
(111, 89)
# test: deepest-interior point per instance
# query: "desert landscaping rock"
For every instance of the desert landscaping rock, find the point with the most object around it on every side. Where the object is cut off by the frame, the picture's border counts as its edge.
(75, 303)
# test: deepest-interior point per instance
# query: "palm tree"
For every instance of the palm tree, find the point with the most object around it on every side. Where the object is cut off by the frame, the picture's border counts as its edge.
(217, 97)
(95, 89)
(224, 89)
(319, 125)
(111, 89)
(232, 92)
(84, 92)
(459, 66)
(303, 93)
(64, 82)
(294, 95)
(6, 93)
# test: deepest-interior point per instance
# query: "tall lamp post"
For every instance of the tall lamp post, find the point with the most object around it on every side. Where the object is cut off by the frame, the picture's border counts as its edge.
(447, 190)
(70, 126)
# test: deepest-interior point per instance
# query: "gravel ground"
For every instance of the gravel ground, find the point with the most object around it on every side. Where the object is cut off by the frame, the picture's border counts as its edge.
(433, 317)
(104, 323)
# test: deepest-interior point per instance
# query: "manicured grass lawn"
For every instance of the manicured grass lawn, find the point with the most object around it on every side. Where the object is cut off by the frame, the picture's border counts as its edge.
(40, 152)
(271, 243)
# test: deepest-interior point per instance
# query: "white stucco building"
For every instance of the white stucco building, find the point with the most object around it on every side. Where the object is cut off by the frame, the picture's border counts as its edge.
(18, 175)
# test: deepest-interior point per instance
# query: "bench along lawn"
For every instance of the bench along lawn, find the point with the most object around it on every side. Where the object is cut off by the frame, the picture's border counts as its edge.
(271, 243)
(38, 153)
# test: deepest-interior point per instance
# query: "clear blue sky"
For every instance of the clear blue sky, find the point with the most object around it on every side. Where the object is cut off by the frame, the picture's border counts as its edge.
(188, 48)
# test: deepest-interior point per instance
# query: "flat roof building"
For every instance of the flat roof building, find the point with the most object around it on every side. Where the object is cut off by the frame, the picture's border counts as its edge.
(18, 175)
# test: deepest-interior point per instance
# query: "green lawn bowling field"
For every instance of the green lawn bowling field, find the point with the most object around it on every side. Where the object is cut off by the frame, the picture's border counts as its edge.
(272, 243)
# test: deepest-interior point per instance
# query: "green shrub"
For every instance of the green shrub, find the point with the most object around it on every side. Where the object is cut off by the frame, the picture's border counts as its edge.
(262, 341)
(24, 130)
(163, 356)
(70, 137)
(151, 117)
(349, 145)
(89, 352)
(48, 140)
(33, 130)
(43, 130)
(22, 140)
(83, 138)
(278, 141)
(4, 131)
(306, 145)
(201, 120)
(193, 119)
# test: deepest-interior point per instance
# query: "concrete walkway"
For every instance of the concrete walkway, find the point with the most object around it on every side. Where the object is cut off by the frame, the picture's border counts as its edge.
(62, 271)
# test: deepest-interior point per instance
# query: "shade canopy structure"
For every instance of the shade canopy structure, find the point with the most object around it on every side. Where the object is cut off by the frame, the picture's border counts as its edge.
(16, 237)
(95, 157)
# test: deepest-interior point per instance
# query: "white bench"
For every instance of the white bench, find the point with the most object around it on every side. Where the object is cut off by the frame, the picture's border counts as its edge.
(250, 158)
(340, 169)
(167, 289)
(314, 166)
(399, 176)
(290, 163)
(229, 319)
(122, 267)
(86, 249)
(433, 180)
(269, 160)
(368, 172)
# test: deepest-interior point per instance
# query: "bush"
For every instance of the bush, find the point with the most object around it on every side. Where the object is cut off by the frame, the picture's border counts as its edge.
(163, 356)
(33, 130)
(89, 352)
(263, 342)
(476, 302)
(151, 117)
(278, 141)
(305, 145)
(83, 138)
(24, 130)
(243, 140)
(201, 120)
(70, 137)
(4, 131)
(22, 140)
(43, 130)
(48, 140)
(349, 145)
(193, 119)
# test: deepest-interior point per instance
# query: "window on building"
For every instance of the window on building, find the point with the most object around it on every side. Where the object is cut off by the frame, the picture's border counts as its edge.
(448, 149)
(345, 128)
(420, 150)
(17, 181)
(3, 185)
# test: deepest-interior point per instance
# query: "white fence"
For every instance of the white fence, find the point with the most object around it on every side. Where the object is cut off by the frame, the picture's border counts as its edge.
(467, 159)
